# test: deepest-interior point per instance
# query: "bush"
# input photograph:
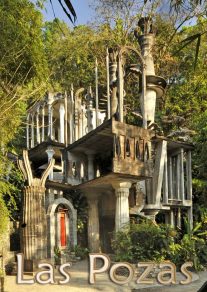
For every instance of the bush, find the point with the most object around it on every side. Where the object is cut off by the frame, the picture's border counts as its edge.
(191, 247)
(149, 242)
(143, 242)
(80, 252)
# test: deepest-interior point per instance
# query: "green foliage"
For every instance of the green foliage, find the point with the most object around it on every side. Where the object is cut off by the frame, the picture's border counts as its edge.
(122, 246)
(23, 77)
(143, 242)
(57, 252)
(149, 242)
(22, 51)
(191, 247)
(80, 252)
(3, 218)
(200, 152)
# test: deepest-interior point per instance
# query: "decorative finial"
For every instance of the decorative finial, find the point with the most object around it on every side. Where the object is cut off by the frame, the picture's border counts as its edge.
(89, 97)
(145, 24)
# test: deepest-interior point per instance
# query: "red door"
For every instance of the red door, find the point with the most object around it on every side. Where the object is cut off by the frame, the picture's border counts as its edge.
(62, 229)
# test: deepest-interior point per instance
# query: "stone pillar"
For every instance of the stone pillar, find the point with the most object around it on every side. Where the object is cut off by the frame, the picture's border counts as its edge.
(178, 176)
(179, 218)
(28, 116)
(159, 171)
(113, 80)
(34, 238)
(122, 204)
(121, 88)
(165, 184)
(62, 123)
(108, 84)
(172, 218)
(43, 123)
(146, 41)
(90, 117)
(37, 127)
(189, 187)
(50, 153)
(170, 178)
(93, 224)
(50, 120)
(182, 181)
(71, 120)
(91, 171)
(189, 176)
(32, 131)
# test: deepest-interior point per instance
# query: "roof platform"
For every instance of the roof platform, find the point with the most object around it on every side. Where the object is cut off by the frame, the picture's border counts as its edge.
(38, 154)
(173, 145)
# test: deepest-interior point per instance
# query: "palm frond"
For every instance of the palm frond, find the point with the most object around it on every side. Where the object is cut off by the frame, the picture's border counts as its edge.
(70, 11)
(187, 42)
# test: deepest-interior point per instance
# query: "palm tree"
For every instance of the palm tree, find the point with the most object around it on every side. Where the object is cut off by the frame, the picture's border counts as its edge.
(68, 9)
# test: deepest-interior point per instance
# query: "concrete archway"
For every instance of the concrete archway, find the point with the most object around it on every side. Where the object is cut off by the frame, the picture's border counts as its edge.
(72, 232)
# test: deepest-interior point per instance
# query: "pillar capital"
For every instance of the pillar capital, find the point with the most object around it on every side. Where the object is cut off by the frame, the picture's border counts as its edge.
(50, 152)
(121, 185)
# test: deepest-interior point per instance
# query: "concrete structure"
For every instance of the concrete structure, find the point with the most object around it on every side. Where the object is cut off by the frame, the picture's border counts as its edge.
(123, 170)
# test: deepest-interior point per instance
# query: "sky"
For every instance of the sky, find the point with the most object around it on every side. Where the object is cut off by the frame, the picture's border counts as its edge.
(83, 11)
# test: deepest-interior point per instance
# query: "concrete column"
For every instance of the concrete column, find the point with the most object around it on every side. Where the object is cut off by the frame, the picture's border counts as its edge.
(34, 217)
(32, 131)
(182, 184)
(189, 176)
(50, 153)
(170, 178)
(178, 178)
(28, 116)
(148, 98)
(165, 184)
(113, 81)
(122, 204)
(34, 237)
(172, 218)
(96, 81)
(50, 120)
(71, 120)
(62, 123)
(189, 187)
(66, 120)
(91, 171)
(179, 218)
(43, 123)
(93, 224)
(37, 127)
(90, 118)
(121, 88)
(108, 84)
(159, 171)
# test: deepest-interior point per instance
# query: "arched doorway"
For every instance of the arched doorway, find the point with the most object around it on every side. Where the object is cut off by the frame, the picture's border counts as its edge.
(62, 226)
(62, 221)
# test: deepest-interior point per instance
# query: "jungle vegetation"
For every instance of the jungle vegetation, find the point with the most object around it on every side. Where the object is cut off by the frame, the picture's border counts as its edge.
(38, 56)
